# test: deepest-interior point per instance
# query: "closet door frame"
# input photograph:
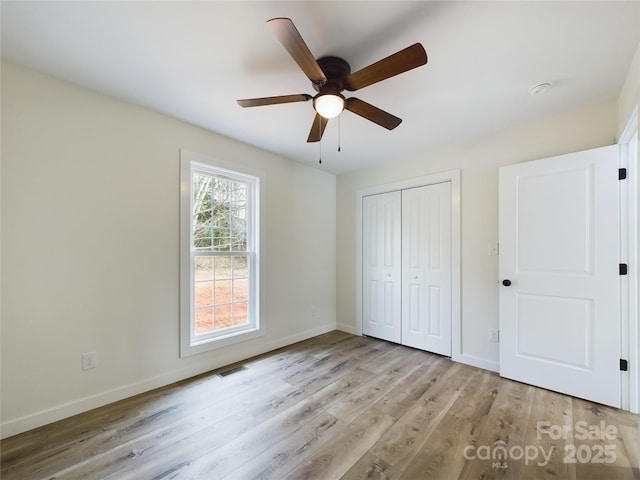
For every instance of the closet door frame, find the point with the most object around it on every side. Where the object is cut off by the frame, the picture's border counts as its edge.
(452, 176)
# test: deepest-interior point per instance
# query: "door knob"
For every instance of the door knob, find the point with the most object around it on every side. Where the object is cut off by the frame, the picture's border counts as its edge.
(506, 282)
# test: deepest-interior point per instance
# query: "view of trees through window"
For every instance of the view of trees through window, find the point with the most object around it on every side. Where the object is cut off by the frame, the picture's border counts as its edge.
(221, 261)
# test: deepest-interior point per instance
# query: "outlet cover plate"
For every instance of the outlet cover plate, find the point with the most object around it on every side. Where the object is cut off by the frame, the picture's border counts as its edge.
(89, 360)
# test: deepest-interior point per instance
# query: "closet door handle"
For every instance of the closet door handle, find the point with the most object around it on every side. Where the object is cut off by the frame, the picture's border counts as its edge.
(506, 282)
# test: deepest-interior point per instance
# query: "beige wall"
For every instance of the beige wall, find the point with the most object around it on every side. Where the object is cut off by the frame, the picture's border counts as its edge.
(630, 93)
(479, 161)
(90, 193)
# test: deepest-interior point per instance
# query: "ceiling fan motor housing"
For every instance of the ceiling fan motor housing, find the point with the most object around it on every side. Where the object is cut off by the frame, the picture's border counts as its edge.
(337, 71)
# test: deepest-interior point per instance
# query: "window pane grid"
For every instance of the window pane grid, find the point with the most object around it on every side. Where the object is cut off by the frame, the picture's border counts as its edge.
(220, 212)
(221, 292)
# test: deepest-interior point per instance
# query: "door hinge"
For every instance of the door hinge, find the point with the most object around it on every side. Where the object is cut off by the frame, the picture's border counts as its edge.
(622, 174)
(623, 269)
(624, 365)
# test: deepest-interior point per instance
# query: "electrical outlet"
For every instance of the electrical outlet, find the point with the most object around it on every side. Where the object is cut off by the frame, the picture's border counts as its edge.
(89, 360)
(494, 335)
(314, 312)
(494, 249)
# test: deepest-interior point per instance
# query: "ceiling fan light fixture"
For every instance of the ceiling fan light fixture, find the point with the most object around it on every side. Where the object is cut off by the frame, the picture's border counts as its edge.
(329, 105)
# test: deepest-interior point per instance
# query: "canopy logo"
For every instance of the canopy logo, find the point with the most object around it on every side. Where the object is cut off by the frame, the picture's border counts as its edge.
(500, 453)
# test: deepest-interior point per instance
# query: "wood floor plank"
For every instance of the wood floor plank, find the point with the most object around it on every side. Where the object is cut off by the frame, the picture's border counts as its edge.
(380, 385)
(397, 353)
(275, 461)
(224, 461)
(445, 438)
(206, 426)
(278, 428)
(501, 428)
(404, 440)
(594, 430)
(351, 355)
(212, 401)
(441, 454)
(326, 344)
(476, 401)
(189, 441)
(370, 467)
(269, 427)
(630, 441)
(340, 453)
(550, 412)
(300, 392)
(336, 406)
(411, 388)
(350, 346)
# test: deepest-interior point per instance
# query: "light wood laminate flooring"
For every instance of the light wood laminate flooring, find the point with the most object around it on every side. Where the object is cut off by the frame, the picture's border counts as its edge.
(334, 407)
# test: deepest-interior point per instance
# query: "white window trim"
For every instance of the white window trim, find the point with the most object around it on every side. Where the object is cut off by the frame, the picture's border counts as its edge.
(187, 346)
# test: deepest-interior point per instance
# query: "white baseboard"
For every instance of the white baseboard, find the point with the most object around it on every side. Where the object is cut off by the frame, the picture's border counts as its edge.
(346, 328)
(477, 362)
(59, 412)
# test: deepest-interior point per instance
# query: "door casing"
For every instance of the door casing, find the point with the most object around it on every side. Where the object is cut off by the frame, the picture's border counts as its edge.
(630, 286)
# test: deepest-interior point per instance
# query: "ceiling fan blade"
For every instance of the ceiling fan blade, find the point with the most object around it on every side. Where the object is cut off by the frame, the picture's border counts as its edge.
(368, 111)
(317, 129)
(257, 102)
(290, 38)
(400, 62)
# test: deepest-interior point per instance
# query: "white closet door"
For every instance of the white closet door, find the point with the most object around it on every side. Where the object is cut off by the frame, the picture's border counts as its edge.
(426, 267)
(381, 266)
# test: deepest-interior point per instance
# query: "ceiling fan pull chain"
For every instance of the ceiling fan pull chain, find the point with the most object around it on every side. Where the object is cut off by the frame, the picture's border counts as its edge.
(320, 143)
(339, 123)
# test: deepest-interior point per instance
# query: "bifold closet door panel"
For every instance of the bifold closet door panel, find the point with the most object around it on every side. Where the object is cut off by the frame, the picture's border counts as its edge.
(381, 266)
(426, 268)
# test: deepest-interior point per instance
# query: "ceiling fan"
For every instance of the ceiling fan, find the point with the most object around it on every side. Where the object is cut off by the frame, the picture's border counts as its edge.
(332, 75)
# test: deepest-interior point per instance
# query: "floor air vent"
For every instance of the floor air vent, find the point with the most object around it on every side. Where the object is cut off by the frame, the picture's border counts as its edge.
(231, 371)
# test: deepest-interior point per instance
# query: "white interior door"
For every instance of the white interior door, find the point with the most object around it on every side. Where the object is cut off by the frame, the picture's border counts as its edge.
(559, 248)
(381, 266)
(426, 268)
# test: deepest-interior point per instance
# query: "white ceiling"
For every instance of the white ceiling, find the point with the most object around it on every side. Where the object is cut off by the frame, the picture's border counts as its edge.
(192, 60)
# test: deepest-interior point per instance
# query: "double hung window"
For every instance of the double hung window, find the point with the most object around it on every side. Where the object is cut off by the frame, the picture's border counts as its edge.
(221, 209)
